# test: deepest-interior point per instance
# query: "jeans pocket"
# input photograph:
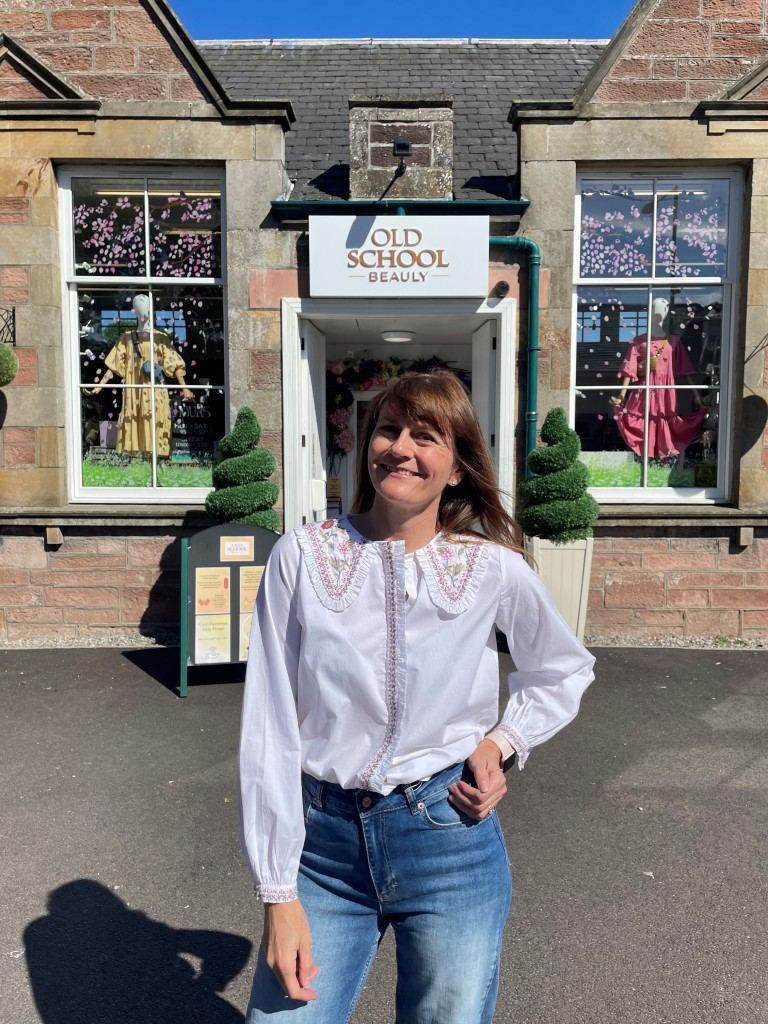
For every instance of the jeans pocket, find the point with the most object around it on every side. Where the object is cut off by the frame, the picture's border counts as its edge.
(440, 813)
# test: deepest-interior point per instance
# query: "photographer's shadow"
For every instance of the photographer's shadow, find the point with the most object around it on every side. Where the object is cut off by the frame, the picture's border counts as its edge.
(93, 960)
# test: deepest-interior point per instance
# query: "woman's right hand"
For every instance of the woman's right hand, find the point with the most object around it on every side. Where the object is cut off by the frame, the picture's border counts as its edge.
(287, 947)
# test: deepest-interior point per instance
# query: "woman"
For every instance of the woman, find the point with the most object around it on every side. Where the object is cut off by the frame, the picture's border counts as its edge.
(370, 768)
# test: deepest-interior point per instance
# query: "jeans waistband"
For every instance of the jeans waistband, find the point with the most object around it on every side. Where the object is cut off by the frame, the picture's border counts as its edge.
(330, 796)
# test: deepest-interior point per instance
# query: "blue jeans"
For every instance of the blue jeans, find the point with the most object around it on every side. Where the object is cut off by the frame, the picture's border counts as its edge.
(412, 861)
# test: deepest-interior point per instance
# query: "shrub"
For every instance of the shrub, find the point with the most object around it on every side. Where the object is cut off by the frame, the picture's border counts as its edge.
(243, 494)
(555, 504)
(9, 365)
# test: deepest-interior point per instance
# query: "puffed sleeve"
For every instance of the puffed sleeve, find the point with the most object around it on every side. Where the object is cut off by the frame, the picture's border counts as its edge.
(117, 356)
(552, 668)
(169, 359)
(271, 815)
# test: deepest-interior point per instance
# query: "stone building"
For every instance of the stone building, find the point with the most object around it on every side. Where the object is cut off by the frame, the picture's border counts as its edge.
(189, 228)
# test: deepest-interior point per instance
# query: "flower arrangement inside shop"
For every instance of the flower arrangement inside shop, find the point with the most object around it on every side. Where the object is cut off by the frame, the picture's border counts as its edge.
(361, 372)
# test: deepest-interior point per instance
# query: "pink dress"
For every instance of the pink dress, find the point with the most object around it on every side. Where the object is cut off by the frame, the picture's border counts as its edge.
(669, 432)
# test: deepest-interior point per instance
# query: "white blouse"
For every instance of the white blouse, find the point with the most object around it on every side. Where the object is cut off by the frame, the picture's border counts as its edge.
(370, 668)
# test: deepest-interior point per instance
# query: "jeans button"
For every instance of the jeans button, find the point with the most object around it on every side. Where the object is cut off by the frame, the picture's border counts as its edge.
(366, 802)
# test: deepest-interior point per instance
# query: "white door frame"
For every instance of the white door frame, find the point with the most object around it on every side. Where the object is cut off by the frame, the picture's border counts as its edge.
(293, 310)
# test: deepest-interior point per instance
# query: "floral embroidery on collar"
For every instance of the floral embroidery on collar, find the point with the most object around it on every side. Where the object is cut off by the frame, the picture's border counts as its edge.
(453, 567)
(337, 563)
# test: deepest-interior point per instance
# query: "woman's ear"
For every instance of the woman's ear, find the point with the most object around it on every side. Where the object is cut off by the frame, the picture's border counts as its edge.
(456, 476)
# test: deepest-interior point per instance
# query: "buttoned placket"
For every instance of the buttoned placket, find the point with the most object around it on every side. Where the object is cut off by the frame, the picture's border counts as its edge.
(393, 556)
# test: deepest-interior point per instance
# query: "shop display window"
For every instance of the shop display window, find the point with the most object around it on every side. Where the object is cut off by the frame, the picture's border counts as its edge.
(147, 319)
(652, 312)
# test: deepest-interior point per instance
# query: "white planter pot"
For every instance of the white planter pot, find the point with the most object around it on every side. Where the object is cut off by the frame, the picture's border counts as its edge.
(565, 568)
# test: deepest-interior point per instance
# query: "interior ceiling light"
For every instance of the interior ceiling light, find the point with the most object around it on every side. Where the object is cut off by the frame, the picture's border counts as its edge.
(397, 337)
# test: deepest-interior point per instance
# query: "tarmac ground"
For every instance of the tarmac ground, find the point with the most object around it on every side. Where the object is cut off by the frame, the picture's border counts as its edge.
(638, 839)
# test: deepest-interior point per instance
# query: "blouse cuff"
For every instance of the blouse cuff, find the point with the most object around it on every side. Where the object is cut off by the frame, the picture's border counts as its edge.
(276, 893)
(516, 740)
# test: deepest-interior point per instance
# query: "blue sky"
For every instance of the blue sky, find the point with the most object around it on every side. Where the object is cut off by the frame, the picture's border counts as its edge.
(308, 19)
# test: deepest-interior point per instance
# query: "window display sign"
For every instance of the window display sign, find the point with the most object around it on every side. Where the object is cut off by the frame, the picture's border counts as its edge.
(221, 570)
(398, 257)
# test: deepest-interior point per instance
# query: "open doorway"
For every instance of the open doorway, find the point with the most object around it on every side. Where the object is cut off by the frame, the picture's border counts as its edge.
(366, 344)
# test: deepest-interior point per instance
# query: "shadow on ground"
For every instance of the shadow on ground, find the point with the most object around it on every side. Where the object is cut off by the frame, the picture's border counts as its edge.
(162, 665)
(94, 960)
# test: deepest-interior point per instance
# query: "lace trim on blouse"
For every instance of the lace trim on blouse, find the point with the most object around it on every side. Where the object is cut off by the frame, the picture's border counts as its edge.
(276, 893)
(517, 740)
(338, 564)
(453, 568)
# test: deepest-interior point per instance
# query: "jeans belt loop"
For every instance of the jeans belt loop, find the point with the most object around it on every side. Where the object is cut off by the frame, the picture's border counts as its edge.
(318, 791)
(412, 797)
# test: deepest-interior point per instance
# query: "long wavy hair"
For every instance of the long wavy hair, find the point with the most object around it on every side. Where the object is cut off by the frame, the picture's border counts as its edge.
(439, 399)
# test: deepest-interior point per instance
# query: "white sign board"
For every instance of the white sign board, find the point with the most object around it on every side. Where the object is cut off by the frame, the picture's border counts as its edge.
(403, 257)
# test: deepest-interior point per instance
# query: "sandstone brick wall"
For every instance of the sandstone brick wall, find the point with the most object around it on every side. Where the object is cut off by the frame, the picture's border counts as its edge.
(689, 50)
(91, 588)
(683, 584)
(97, 588)
(110, 50)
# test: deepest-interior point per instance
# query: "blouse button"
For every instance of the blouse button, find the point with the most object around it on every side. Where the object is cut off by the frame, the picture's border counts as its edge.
(366, 801)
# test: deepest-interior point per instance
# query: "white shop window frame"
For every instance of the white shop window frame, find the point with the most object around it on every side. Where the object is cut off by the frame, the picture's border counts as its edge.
(153, 495)
(729, 283)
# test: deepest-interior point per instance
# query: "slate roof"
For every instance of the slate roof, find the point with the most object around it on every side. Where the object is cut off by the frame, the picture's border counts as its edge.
(484, 77)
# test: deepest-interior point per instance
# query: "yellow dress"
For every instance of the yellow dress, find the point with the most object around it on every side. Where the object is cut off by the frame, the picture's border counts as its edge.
(134, 433)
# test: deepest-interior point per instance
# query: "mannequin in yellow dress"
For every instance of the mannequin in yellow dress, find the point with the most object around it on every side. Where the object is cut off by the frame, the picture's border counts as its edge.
(132, 359)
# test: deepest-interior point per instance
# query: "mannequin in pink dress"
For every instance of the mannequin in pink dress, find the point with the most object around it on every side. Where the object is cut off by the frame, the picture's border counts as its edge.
(669, 432)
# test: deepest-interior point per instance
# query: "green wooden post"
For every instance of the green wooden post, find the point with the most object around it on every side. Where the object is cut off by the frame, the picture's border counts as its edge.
(184, 622)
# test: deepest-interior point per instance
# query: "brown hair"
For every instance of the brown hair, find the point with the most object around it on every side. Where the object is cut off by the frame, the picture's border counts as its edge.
(439, 399)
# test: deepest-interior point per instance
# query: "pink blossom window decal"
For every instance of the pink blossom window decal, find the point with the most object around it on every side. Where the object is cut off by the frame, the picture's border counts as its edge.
(110, 228)
(109, 236)
(184, 229)
(616, 228)
(691, 228)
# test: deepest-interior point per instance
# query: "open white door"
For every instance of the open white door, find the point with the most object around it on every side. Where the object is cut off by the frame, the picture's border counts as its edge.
(313, 474)
(484, 381)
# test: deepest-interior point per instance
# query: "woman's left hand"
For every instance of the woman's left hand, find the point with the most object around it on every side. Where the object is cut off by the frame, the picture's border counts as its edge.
(490, 783)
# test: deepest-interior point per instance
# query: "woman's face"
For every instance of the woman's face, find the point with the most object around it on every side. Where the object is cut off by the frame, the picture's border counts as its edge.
(409, 462)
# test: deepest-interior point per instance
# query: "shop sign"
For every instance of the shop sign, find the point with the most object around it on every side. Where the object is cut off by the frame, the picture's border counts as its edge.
(398, 257)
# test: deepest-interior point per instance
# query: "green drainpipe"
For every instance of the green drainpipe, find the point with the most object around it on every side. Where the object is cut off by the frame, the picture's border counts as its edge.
(533, 252)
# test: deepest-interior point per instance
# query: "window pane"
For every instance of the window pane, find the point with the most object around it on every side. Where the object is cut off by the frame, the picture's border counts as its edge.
(108, 227)
(106, 461)
(607, 319)
(696, 317)
(197, 429)
(691, 227)
(616, 228)
(192, 321)
(184, 228)
(604, 451)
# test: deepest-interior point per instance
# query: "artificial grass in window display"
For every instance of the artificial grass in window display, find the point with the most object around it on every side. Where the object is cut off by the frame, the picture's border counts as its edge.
(122, 471)
(630, 474)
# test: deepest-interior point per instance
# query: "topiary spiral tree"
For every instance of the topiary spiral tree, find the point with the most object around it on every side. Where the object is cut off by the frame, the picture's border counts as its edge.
(243, 493)
(9, 365)
(554, 504)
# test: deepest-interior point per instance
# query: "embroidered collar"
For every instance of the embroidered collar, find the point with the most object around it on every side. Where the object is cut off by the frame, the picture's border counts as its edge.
(339, 557)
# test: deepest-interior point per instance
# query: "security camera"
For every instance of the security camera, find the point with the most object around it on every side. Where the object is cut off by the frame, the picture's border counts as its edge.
(402, 147)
